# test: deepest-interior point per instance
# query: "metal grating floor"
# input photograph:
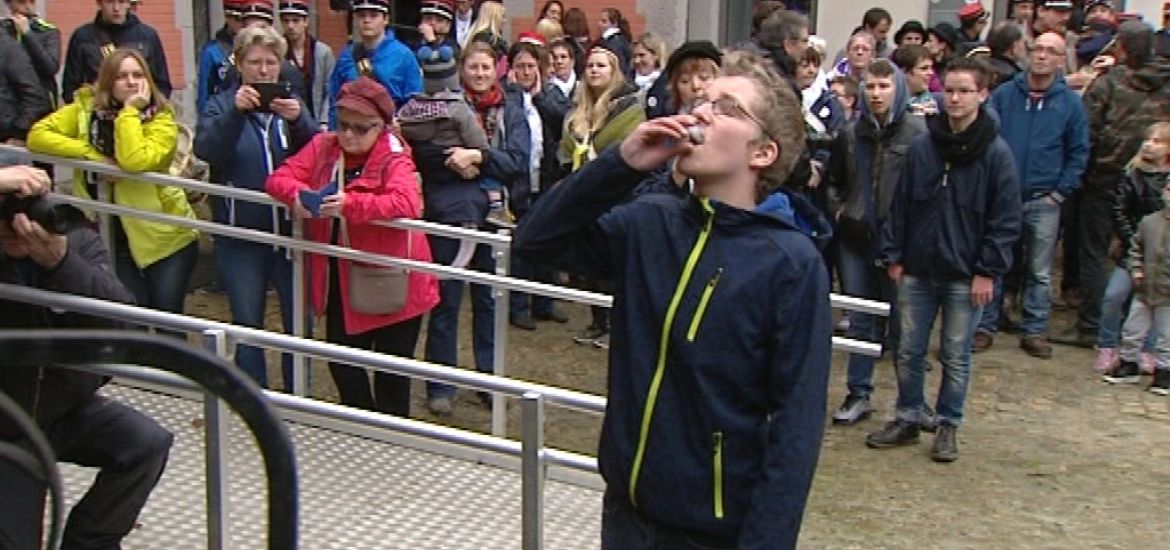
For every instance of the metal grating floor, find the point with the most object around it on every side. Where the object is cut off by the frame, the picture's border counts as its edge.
(356, 494)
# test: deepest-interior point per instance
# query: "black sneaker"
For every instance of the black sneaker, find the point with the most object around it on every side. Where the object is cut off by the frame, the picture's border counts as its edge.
(590, 335)
(522, 321)
(946, 447)
(927, 421)
(855, 409)
(896, 433)
(555, 315)
(1161, 384)
(1125, 373)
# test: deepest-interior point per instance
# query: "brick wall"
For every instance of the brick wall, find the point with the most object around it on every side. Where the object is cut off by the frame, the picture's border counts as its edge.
(331, 26)
(160, 14)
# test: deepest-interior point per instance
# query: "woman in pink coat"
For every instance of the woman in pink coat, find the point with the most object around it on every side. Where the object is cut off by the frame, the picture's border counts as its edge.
(379, 184)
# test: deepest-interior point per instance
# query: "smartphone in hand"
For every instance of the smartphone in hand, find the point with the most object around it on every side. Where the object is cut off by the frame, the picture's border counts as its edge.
(269, 91)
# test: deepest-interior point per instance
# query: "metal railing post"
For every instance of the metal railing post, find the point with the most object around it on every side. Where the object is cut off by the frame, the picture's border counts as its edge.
(105, 224)
(501, 297)
(300, 312)
(215, 442)
(533, 470)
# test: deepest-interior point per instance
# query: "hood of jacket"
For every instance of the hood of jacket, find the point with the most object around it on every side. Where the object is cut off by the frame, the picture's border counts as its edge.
(789, 209)
(1058, 86)
(131, 21)
(1152, 76)
(897, 109)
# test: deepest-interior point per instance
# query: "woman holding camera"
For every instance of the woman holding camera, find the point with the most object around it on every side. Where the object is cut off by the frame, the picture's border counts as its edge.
(126, 121)
(244, 133)
(344, 181)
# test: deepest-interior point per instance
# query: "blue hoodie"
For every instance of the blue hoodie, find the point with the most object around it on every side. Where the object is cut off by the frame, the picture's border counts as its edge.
(720, 353)
(1049, 136)
(393, 65)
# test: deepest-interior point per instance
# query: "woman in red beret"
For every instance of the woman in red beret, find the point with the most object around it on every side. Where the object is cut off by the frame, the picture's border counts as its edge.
(341, 182)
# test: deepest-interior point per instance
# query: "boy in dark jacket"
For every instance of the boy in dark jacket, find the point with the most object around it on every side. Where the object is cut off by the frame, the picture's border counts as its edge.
(867, 162)
(22, 100)
(954, 220)
(41, 41)
(113, 27)
(441, 117)
(720, 350)
(83, 427)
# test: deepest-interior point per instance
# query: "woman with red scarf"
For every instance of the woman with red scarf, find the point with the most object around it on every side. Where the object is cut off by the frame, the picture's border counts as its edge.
(452, 194)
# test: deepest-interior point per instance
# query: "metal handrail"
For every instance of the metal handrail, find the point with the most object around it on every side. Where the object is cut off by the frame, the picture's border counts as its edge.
(836, 300)
(323, 350)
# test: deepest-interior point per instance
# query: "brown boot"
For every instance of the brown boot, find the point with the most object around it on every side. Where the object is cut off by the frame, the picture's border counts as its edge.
(981, 342)
(1036, 346)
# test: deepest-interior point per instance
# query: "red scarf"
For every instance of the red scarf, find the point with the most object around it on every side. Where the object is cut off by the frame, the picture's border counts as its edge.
(485, 102)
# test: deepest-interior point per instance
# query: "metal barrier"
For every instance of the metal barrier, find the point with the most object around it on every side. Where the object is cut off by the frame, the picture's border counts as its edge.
(535, 457)
(500, 244)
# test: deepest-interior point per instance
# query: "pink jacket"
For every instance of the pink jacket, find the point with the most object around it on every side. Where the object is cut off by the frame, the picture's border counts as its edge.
(386, 189)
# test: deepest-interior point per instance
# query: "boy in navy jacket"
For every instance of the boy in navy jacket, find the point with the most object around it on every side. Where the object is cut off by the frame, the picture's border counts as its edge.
(952, 225)
(719, 358)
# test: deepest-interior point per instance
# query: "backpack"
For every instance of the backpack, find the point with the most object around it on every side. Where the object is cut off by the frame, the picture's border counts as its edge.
(185, 164)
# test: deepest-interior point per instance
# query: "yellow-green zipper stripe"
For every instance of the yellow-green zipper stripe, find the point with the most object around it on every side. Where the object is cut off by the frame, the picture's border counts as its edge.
(660, 367)
(718, 461)
(702, 309)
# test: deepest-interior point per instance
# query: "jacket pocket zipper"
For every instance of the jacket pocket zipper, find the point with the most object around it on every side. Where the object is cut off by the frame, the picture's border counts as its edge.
(717, 464)
(701, 310)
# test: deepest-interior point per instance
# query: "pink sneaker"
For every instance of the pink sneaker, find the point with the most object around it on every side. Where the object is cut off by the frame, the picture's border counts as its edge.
(1106, 359)
(1146, 363)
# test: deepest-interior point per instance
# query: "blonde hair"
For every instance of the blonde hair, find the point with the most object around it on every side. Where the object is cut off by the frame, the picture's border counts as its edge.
(491, 19)
(590, 109)
(779, 109)
(550, 30)
(266, 37)
(653, 44)
(1159, 130)
(103, 87)
(691, 66)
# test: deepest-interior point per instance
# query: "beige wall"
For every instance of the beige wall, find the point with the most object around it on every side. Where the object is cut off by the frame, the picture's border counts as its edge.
(1152, 9)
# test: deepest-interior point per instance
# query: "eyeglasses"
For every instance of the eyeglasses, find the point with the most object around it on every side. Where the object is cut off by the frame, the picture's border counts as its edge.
(730, 107)
(355, 128)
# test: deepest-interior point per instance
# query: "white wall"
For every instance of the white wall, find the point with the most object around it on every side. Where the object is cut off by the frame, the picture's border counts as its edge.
(1151, 9)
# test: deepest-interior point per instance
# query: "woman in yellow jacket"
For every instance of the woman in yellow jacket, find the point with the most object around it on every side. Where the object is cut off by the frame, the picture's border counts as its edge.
(125, 120)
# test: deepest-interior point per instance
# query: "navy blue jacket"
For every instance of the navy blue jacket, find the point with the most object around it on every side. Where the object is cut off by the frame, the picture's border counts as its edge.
(242, 151)
(449, 198)
(951, 225)
(84, 54)
(1049, 137)
(720, 353)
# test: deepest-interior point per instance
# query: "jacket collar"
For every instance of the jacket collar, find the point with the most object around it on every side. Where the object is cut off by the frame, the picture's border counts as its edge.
(782, 209)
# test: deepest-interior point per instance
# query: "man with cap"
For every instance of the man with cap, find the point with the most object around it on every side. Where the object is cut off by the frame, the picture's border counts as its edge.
(1099, 8)
(215, 56)
(911, 32)
(377, 53)
(311, 57)
(972, 20)
(113, 27)
(434, 27)
(1053, 16)
(943, 42)
(1022, 12)
(41, 41)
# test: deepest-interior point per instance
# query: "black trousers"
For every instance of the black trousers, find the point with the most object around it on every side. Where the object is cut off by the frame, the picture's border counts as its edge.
(130, 449)
(391, 392)
(1096, 230)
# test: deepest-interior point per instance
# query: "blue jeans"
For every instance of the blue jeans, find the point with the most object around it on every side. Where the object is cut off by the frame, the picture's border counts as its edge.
(861, 278)
(443, 326)
(1143, 324)
(247, 269)
(161, 285)
(919, 300)
(1118, 292)
(1039, 233)
(622, 528)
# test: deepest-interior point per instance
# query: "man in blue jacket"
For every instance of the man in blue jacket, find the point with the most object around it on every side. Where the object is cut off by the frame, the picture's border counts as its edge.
(375, 53)
(719, 359)
(952, 226)
(1044, 123)
(214, 57)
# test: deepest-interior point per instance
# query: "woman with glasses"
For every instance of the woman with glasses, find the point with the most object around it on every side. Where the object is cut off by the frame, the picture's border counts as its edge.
(607, 109)
(342, 182)
(244, 133)
(125, 120)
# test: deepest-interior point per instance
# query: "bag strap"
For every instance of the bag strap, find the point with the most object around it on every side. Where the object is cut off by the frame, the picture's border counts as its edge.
(339, 173)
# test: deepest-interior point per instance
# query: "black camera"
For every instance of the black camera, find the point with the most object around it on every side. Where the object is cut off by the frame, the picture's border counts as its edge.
(55, 216)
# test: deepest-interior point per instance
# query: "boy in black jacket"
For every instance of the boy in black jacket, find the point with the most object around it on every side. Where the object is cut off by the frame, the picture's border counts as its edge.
(954, 220)
(721, 327)
(113, 27)
(83, 427)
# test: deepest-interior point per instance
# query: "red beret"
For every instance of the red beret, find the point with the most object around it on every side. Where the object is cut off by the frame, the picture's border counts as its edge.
(366, 96)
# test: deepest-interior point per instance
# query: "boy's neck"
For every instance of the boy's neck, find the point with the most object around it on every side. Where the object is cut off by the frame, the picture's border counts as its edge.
(735, 191)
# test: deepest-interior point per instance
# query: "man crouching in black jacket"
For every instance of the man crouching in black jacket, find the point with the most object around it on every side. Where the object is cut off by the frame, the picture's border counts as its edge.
(82, 427)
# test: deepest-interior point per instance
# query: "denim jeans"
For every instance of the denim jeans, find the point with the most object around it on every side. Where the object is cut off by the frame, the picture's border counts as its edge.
(920, 299)
(1040, 231)
(861, 278)
(622, 528)
(161, 285)
(443, 326)
(1117, 293)
(247, 269)
(521, 303)
(1136, 332)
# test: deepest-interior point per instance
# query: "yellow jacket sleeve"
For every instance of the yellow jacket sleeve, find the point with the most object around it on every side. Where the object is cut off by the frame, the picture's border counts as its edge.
(60, 134)
(144, 147)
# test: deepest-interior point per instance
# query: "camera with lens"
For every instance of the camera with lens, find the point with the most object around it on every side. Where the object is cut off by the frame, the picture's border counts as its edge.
(55, 216)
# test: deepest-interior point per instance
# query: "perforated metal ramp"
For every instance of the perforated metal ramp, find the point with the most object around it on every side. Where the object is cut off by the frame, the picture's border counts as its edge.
(356, 493)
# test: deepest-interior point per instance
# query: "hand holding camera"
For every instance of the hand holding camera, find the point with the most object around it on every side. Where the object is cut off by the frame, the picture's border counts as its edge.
(24, 181)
